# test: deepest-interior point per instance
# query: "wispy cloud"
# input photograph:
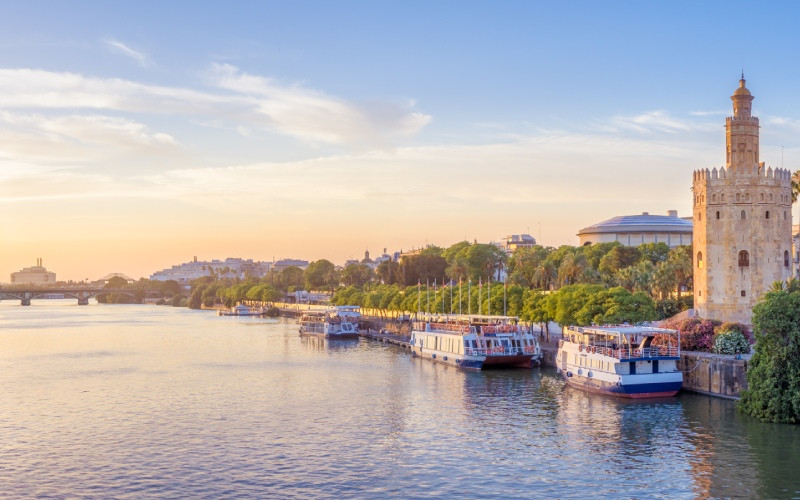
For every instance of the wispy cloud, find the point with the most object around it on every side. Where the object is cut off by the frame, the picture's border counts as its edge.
(123, 49)
(241, 101)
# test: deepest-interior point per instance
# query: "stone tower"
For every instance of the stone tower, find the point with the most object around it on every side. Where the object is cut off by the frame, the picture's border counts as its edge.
(742, 237)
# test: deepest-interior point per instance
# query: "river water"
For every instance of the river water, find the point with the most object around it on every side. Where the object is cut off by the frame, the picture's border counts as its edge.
(131, 401)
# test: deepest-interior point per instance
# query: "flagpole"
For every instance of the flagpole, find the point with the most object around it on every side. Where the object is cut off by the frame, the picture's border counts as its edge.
(480, 289)
(505, 311)
(469, 297)
(459, 295)
(427, 296)
(488, 295)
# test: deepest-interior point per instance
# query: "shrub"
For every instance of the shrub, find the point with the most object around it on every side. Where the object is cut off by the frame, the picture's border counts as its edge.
(731, 342)
(737, 327)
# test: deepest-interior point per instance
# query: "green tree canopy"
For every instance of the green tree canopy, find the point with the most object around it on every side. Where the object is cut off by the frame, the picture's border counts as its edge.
(320, 274)
(773, 375)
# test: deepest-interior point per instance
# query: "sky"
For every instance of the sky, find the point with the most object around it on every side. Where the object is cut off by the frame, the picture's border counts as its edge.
(137, 135)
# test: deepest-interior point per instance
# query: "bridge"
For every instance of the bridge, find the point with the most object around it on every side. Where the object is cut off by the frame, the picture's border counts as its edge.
(25, 295)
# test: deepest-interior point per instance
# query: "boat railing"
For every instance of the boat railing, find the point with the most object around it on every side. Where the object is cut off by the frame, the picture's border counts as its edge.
(660, 351)
(449, 327)
(499, 329)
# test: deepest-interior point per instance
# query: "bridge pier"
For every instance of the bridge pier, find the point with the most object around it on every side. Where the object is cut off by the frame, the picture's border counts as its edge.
(25, 301)
(83, 301)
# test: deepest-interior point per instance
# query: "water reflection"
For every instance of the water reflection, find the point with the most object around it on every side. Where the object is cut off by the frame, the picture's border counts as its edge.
(316, 343)
(156, 401)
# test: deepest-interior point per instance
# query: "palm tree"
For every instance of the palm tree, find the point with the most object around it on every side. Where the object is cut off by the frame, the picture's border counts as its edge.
(795, 185)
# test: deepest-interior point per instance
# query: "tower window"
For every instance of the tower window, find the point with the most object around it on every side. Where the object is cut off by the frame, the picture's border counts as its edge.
(784, 215)
(699, 260)
(786, 258)
(717, 214)
(744, 215)
(744, 294)
(767, 214)
(744, 259)
(700, 216)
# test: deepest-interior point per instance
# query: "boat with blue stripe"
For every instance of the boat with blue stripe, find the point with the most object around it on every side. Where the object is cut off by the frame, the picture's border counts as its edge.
(621, 360)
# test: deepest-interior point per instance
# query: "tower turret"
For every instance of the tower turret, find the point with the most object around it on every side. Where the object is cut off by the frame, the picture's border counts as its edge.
(741, 132)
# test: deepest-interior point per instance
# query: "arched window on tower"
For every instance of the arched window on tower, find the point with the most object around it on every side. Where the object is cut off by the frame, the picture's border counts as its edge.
(786, 259)
(738, 197)
(717, 214)
(744, 259)
(699, 260)
(767, 214)
(744, 214)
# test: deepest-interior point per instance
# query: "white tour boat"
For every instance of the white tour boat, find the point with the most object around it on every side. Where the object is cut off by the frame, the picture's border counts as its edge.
(474, 342)
(335, 323)
(242, 310)
(626, 361)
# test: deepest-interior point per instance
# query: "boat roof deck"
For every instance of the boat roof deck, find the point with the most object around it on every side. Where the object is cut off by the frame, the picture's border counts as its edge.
(621, 329)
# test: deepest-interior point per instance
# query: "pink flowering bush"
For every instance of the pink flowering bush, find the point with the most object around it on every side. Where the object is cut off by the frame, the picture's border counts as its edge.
(696, 334)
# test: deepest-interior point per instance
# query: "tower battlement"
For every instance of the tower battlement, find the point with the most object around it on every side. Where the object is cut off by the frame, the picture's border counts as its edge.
(755, 171)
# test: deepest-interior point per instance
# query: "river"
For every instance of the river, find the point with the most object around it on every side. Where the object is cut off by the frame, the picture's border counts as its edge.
(132, 401)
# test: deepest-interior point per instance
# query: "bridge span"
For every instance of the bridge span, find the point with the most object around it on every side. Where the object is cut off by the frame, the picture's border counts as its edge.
(25, 295)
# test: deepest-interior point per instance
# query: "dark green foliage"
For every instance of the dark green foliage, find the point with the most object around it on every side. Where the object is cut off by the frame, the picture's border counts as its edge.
(773, 376)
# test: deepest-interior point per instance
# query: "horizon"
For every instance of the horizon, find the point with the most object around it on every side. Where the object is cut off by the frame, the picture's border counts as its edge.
(135, 137)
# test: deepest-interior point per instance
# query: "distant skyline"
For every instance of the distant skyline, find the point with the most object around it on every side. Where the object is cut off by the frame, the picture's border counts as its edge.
(134, 136)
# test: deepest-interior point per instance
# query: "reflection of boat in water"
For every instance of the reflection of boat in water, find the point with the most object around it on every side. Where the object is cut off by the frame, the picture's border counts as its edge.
(626, 361)
(336, 323)
(474, 341)
(320, 343)
(242, 310)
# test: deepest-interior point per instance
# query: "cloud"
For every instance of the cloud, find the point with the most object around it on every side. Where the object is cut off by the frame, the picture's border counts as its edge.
(655, 122)
(238, 100)
(315, 116)
(121, 48)
(78, 139)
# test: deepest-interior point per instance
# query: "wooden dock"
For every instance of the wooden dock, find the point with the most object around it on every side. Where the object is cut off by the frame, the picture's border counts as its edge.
(387, 338)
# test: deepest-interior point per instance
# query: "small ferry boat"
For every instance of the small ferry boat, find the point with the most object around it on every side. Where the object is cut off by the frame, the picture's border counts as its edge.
(241, 310)
(626, 361)
(474, 342)
(335, 323)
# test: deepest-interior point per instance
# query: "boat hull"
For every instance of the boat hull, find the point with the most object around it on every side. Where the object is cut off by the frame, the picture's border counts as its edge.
(464, 362)
(667, 388)
(520, 360)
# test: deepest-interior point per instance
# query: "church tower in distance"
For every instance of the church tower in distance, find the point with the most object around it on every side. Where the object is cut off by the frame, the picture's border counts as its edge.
(742, 237)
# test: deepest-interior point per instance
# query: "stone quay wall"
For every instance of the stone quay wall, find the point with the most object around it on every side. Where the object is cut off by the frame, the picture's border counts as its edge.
(713, 374)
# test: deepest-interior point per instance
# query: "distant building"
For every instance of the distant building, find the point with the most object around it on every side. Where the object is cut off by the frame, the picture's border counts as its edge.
(286, 263)
(743, 226)
(635, 230)
(104, 279)
(34, 275)
(230, 268)
(513, 242)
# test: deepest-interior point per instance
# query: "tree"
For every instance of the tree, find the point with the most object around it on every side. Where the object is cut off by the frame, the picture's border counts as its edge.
(773, 375)
(619, 258)
(116, 282)
(359, 274)
(320, 274)
(424, 268)
(290, 279)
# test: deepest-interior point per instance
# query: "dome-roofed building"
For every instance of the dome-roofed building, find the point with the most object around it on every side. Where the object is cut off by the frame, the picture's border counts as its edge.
(635, 230)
